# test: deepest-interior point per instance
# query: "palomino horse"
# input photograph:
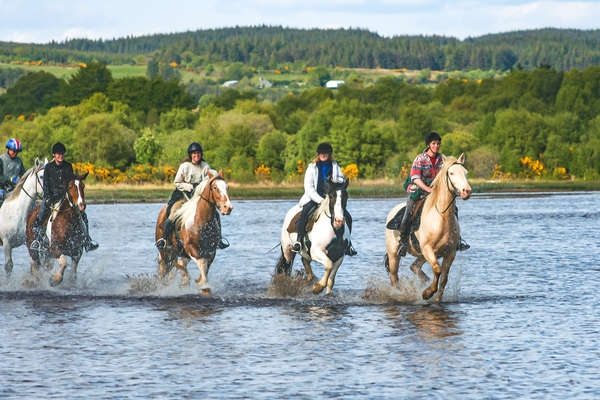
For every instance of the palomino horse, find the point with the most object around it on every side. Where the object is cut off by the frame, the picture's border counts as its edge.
(197, 232)
(438, 234)
(328, 237)
(65, 231)
(15, 208)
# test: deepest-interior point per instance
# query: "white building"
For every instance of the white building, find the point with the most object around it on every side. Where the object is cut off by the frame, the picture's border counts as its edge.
(334, 84)
(230, 83)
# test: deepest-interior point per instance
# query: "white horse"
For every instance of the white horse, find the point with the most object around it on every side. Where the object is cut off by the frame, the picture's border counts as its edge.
(329, 238)
(438, 234)
(14, 210)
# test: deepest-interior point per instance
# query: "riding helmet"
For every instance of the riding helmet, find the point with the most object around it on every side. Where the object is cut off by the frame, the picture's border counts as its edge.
(14, 144)
(431, 137)
(324, 148)
(59, 148)
(195, 146)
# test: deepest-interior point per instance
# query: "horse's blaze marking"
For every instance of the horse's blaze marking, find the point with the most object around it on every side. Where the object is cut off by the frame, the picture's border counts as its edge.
(79, 193)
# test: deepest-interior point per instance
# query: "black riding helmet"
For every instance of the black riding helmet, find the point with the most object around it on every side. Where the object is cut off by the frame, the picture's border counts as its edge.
(431, 137)
(59, 148)
(324, 148)
(195, 146)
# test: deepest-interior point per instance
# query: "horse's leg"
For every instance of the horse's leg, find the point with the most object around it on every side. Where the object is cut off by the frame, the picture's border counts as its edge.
(429, 255)
(74, 265)
(308, 269)
(318, 254)
(8, 266)
(416, 269)
(202, 281)
(181, 265)
(392, 258)
(331, 280)
(57, 278)
(444, 276)
(163, 267)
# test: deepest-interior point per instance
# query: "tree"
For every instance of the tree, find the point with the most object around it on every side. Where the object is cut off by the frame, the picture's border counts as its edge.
(35, 92)
(93, 78)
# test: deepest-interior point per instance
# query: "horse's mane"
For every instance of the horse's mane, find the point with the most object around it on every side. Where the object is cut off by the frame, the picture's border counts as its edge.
(323, 207)
(188, 209)
(436, 185)
(15, 193)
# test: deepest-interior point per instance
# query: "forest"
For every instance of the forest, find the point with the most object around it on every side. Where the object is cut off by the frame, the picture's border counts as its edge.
(273, 46)
(543, 123)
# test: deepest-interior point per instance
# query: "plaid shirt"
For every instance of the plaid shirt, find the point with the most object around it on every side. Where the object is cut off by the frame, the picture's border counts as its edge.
(424, 168)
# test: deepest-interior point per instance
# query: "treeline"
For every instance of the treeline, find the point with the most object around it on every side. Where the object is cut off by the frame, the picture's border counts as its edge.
(273, 46)
(542, 123)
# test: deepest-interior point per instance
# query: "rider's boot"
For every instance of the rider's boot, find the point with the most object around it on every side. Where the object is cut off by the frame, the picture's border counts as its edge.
(38, 237)
(162, 242)
(404, 236)
(350, 250)
(89, 244)
(462, 245)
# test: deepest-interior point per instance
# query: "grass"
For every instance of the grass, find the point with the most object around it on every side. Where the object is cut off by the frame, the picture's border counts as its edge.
(158, 193)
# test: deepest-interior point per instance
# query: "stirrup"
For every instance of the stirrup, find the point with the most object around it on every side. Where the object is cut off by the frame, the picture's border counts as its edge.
(161, 243)
(35, 245)
(351, 251)
(223, 243)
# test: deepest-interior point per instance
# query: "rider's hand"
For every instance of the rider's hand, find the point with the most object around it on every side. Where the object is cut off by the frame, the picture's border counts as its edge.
(14, 179)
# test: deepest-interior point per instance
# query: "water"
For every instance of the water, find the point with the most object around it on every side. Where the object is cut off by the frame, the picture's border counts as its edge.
(520, 317)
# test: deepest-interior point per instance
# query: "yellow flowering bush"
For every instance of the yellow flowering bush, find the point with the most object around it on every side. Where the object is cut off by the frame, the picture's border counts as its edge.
(350, 171)
(263, 173)
(140, 173)
(531, 167)
(499, 174)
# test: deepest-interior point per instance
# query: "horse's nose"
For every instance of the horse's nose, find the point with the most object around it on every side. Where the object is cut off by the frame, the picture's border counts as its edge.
(226, 209)
(466, 193)
(82, 206)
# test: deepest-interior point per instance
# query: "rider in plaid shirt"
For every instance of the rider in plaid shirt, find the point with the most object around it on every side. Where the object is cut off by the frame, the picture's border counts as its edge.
(424, 169)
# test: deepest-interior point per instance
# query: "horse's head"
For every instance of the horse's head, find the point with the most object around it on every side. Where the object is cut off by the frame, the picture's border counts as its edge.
(219, 193)
(457, 178)
(75, 191)
(338, 198)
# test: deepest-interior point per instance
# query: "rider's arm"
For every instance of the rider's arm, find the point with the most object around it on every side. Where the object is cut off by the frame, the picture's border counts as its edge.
(3, 178)
(419, 182)
(337, 176)
(310, 185)
(180, 179)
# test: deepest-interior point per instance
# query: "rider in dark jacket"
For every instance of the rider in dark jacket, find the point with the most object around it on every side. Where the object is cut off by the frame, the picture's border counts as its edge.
(57, 175)
(11, 167)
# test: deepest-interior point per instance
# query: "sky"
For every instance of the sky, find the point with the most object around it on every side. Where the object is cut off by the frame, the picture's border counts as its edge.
(42, 21)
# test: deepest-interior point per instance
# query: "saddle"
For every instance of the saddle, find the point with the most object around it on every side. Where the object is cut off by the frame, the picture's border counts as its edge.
(309, 225)
(415, 218)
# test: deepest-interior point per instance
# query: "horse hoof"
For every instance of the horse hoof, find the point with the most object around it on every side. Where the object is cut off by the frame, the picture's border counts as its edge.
(205, 292)
(316, 289)
(427, 294)
(55, 282)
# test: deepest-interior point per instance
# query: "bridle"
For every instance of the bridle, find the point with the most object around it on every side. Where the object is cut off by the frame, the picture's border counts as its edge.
(452, 190)
(212, 203)
(37, 181)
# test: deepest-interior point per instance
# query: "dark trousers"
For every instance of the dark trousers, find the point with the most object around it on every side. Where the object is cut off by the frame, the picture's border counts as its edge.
(175, 197)
(406, 219)
(307, 209)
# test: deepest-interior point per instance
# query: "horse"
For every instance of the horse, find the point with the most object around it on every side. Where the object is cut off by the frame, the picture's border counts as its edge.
(14, 210)
(65, 230)
(329, 237)
(197, 232)
(438, 235)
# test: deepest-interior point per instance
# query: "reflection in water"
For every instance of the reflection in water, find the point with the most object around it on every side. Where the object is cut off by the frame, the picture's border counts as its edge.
(191, 315)
(316, 313)
(433, 322)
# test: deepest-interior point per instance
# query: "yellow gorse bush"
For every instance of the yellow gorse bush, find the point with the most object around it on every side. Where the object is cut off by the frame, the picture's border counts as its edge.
(263, 172)
(140, 173)
(532, 168)
(350, 171)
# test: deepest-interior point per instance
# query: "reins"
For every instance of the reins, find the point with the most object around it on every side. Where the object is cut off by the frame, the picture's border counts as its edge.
(453, 190)
(212, 203)
(37, 180)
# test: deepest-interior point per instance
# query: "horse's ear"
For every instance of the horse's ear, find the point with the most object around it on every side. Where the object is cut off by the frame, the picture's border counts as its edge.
(46, 161)
(82, 177)
(37, 162)
(210, 174)
(221, 172)
(461, 159)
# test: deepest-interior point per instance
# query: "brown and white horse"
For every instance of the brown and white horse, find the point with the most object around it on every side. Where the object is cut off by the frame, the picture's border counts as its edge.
(438, 234)
(197, 232)
(65, 232)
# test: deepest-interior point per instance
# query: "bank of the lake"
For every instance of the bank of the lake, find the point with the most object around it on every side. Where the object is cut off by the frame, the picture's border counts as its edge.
(121, 193)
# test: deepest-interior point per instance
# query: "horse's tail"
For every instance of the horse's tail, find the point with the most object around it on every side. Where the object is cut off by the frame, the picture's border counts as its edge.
(386, 262)
(283, 266)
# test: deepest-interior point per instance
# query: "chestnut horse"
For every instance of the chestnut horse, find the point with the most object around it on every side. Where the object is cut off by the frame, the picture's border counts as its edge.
(329, 237)
(438, 234)
(197, 232)
(65, 231)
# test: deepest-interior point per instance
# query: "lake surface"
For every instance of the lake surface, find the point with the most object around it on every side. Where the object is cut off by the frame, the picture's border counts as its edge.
(520, 317)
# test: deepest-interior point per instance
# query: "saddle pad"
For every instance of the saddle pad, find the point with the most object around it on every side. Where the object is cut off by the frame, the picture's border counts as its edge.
(395, 222)
(292, 226)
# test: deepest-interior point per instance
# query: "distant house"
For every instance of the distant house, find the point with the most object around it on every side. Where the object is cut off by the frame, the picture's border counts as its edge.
(263, 83)
(334, 84)
(230, 83)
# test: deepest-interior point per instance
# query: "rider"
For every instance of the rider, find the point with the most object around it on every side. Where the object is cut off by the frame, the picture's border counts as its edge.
(317, 172)
(424, 170)
(11, 167)
(190, 174)
(57, 175)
